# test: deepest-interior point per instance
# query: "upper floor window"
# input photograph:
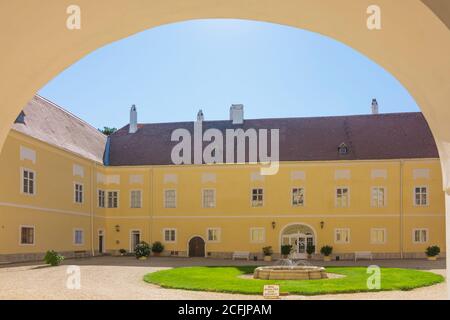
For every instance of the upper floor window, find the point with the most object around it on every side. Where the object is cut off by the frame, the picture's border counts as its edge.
(378, 197)
(213, 234)
(170, 198)
(101, 198)
(377, 236)
(257, 197)
(28, 181)
(27, 235)
(420, 235)
(342, 235)
(170, 235)
(135, 199)
(298, 197)
(342, 197)
(78, 237)
(421, 196)
(209, 198)
(78, 193)
(113, 199)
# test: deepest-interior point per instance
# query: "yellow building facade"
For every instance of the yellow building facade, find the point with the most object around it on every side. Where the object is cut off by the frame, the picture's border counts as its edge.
(59, 196)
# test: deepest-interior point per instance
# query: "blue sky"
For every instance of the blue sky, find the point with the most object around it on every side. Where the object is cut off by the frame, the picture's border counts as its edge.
(171, 71)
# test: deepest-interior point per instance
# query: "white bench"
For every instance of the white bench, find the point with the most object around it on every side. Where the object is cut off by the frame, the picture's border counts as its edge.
(363, 255)
(241, 255)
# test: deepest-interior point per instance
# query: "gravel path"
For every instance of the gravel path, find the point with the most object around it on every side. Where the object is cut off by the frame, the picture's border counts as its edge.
(121, 278)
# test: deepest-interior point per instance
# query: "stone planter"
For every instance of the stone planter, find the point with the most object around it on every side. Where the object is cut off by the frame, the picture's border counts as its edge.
(142, 258)
(156, 254)
(432, 258)
(327, 258)
(267, 258)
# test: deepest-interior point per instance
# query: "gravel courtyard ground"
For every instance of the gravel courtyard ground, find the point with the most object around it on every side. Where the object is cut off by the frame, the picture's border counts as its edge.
(121, 278)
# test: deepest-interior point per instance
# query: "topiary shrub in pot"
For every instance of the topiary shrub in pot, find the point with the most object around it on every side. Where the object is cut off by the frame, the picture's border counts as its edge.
(53, 258)
(142, 250)
(268, 251)
(310, 250)
(326, 251)
(122, 252)
(157, 248)
(286, 250)
(432, 252)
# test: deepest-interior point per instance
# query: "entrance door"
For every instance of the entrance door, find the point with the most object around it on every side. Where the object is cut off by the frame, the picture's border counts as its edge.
(135, 239)
(197, 247)
(100, 241)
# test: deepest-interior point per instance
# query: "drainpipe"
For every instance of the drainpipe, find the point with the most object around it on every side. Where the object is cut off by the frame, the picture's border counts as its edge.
(401, 211)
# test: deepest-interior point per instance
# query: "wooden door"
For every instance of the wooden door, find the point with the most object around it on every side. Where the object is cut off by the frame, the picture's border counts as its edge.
(196, 247)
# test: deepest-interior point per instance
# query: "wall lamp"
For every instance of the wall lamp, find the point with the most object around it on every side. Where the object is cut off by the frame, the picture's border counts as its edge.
(322, 224)
(117, 228)
(274, 224)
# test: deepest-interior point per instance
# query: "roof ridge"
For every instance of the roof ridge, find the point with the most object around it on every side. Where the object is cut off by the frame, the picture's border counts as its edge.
(68, 112)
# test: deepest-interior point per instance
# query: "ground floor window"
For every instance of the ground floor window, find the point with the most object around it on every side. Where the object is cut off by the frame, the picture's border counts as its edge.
(78, 193)
(378, 236)
(27, 235)
(78, 236)
(170, 235)
(420, 235)
(257, 235)
(342, 235)
(213, 234)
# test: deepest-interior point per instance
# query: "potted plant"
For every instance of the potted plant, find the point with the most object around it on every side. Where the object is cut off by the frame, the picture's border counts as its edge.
(310, 250)
(53, 258)
(286, 250)
(326, 251)
(157, 248)
(142, 250)
(432, 252)
(268, 251)
(122, 252)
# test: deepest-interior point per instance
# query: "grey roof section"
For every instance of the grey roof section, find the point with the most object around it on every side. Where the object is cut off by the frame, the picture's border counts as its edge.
(49, 123)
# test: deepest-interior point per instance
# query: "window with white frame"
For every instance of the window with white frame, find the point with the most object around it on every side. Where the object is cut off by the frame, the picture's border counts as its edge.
(28, 181)
(209, 198)
(257, 197)
(298, 197)
(135, 199)
(257, 235)
(342, 197)
(420, 235)
(213, 234)
(78, 236)
(170, 198)
(170, 235)
(113, 199)
(27, 235)
(378, 197)
(78, 190)
(101, 198)
(342, 235)
(378, 235)
(421, 196)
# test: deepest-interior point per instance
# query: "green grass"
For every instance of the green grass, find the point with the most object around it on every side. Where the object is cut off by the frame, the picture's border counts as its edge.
(226, 279)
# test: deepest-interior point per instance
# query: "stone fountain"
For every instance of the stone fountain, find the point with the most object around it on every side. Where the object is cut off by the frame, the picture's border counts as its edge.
(287, 269)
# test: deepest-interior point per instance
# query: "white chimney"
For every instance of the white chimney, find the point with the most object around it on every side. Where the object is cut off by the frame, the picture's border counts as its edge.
(200, 116)
(375, 106)
(237, 113)
(133, 119)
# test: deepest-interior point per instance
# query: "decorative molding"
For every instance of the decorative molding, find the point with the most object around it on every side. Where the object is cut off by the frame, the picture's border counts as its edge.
(170, 178)
(256, 176)
(136, 179)
(421, 174)
(379, 173)
(78, 170)
(27, 154)
(208, 177)
(298, 175)
(342, 174)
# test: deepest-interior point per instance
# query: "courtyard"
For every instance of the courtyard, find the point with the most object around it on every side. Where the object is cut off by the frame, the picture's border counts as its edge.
(122, 278)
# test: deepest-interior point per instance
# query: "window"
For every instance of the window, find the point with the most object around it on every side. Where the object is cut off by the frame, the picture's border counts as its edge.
(378, 197)
(213, 234)
(113, 199)
(170, 235)
(135, 199)
(78, 196)
(420, 235)
(78, 237)
(298, 197)
(209, 198)
(377, 236)
(28, 181)
(27, 235)
(342, 197)
(101, 198)
(170, 198)
(342, 235)
(257, 235)
(257, 197)
(420, 196)
(343, 149)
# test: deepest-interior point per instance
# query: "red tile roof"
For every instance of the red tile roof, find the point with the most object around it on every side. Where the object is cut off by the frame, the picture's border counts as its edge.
(383, 136)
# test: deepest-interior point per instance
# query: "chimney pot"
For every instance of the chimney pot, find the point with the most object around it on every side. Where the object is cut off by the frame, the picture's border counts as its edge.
(375, 109)
(133, 119)
(200, 116)
(237, 113)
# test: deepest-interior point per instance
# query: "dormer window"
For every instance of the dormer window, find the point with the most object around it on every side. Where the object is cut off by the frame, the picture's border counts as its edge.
(20, 118)
(343, 149)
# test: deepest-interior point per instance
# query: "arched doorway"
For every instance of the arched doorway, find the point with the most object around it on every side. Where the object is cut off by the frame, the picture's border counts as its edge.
(196, 247)
(300, 237)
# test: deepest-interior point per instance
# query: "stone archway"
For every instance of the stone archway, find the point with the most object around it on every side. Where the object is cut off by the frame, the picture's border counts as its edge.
(196, 247)
(300, 236)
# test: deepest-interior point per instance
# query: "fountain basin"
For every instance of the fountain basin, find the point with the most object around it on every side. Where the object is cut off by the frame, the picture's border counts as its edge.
(290, 273)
